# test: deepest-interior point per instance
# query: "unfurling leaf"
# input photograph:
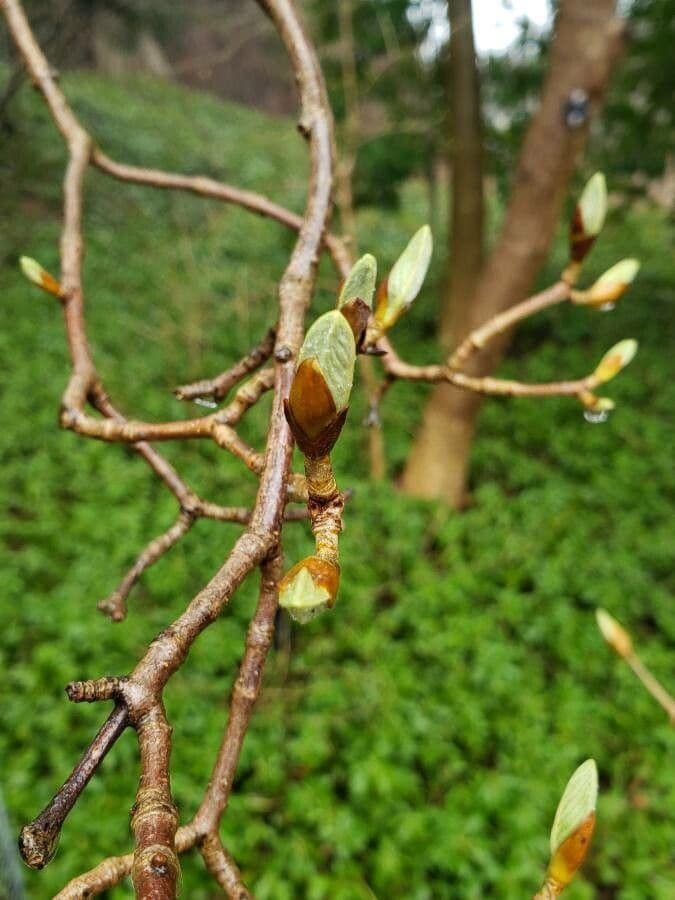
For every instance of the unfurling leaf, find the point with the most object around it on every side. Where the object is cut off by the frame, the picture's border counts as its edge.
(360, 283)
(405, 279)
(308, 588)
(317, 405)
(589, 217)
(615, 360)
(616, 636)
(39, 276)
(610, 285)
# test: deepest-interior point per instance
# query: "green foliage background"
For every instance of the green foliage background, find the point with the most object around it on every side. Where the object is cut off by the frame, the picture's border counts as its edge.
(414, 742)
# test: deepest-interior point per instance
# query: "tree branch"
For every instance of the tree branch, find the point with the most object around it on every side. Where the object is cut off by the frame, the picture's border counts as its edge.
(216, 388)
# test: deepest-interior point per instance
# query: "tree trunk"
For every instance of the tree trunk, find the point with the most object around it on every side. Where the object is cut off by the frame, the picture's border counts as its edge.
(466, 198)
(585, 46)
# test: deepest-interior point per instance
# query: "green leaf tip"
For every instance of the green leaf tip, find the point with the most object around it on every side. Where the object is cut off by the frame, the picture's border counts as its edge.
(360, 282)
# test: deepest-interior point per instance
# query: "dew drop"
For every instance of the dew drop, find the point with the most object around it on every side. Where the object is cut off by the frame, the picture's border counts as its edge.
(596, 416)
(206, 401)
(607, 307)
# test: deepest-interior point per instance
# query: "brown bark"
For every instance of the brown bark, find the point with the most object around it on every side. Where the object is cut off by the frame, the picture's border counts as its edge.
(584, 48)
(466, 159)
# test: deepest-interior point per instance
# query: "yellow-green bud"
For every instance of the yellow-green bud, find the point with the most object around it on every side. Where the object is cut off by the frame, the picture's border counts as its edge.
(39, 276)
(609, 286)
(615, 360)
(616, 636)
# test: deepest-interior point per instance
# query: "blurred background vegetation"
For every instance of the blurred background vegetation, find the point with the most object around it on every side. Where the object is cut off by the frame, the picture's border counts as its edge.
(414, 742)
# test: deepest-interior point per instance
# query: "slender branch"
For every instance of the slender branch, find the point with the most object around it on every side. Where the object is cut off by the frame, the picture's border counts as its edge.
(396, 368)
(655, 688)
(223, 868)
(39, 838)
(500, 323)
(218, 387)
(244, 695)
(246, 397)
(216, 190)
(115, 605)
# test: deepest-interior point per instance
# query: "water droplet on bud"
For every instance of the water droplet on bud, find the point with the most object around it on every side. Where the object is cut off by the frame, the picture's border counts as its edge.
(596, 416)
(607, 307)
(206, 401)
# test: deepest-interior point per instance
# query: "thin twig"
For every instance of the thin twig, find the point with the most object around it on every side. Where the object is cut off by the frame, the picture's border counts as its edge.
(223, 868)
(218, 387)
(115, 605)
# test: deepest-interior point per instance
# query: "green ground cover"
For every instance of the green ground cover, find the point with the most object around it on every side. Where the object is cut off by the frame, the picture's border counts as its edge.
(414, 742)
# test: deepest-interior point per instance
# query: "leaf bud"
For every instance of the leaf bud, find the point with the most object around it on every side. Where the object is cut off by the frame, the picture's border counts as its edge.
(308, 588)
(405, 280)
(319, 398)
(573, 824)
(611, 285)
(40, 277)
(615, 360)
(616, 636)
(589, 217)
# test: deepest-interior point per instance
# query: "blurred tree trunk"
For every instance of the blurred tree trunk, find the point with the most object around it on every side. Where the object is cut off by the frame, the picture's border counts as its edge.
(349, 139)
(586, 43)
(466, 198)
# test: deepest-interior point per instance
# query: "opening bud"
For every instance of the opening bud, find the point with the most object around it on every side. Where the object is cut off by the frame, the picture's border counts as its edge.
(616, 636)
(573, 824)
(308, 588)
(318, 402)
(615, 360)
(405, 280)
(589, 216)
(610, 286)
(39, 276)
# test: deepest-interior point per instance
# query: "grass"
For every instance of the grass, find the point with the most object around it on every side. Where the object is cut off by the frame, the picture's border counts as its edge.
(414, 742)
